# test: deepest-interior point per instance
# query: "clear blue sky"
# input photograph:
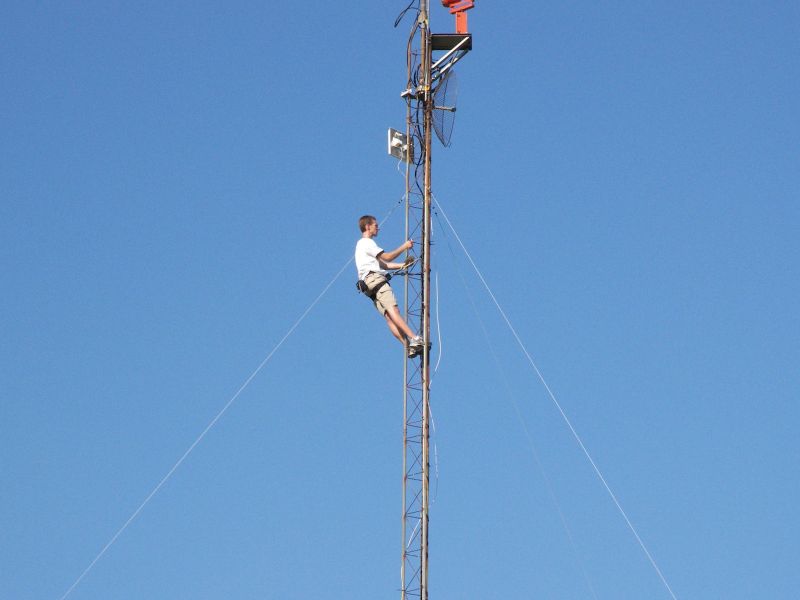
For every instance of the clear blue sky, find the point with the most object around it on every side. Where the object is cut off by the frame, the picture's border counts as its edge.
(179, 182)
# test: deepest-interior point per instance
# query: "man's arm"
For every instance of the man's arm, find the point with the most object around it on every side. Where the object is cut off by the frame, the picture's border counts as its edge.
(385, 257)
(393, 265)
(390, 265)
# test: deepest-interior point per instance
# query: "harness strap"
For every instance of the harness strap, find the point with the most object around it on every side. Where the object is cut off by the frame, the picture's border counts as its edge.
(374, 291)
(362, 287)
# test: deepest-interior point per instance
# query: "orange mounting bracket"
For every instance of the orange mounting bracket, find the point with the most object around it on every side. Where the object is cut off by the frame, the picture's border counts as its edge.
(459, 8)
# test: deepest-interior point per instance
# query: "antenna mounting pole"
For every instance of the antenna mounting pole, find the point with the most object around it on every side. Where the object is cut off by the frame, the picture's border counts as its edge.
(424, 77)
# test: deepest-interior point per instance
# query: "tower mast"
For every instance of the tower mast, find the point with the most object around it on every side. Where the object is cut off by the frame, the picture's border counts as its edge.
(427, 107)
(419, 94)
(416, 390)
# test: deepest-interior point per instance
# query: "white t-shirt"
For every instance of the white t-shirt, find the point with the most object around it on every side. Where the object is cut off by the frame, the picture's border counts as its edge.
(367, 257)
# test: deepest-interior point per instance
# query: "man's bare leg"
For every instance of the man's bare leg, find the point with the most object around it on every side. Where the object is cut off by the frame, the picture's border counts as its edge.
(393, 328)
(397, 324)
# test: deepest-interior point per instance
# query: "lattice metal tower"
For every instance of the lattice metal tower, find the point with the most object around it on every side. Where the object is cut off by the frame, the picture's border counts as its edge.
(424, 78)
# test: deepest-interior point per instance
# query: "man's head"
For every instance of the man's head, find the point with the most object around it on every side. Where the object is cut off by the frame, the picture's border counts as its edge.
(365, 222)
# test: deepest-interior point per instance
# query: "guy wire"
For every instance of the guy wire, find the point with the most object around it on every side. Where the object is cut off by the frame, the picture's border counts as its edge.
(213, 422)
(524, 425)
(557, 404)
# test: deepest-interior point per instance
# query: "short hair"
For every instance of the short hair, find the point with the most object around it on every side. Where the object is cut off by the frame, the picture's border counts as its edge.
(364, 221)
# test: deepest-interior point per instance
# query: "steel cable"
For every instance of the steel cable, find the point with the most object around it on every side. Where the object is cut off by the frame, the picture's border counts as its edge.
(557, 404)
(213, 422)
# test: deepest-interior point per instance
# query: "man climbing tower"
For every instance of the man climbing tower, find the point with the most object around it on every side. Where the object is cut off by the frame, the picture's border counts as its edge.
(371, 262)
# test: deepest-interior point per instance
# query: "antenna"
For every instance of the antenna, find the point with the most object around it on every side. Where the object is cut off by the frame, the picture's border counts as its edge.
(430, 96)
(399, 146)
(445, 95)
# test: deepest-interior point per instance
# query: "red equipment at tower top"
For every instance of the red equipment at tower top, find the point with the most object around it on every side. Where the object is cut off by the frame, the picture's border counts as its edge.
(459, 8)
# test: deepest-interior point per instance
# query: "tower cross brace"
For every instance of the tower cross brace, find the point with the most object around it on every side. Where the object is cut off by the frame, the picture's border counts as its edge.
(422, 75)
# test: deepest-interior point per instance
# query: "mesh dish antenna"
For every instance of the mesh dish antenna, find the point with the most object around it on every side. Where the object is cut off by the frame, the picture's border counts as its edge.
(445, 96)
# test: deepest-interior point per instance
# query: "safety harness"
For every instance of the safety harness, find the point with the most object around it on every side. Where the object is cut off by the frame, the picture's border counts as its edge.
(363, 288)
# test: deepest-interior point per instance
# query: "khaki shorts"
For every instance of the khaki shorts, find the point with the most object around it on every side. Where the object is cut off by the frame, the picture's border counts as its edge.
(384, 300)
